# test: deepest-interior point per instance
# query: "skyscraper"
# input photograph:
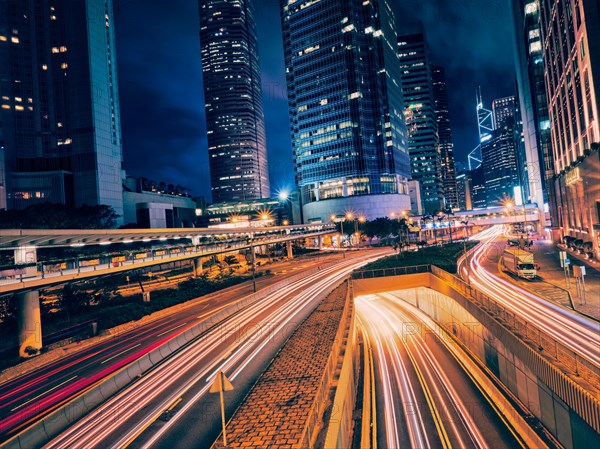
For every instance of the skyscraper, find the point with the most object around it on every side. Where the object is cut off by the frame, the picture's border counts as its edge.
(345, 105)
(442, 114)
(499, 166)
(504, 111)
(424, 148)
(232, 94)
(60, 125)
(507, 115)
(533, 103)
(570, 41)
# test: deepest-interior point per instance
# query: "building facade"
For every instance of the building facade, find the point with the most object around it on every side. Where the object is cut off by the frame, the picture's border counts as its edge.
(533, 105)
(570, 39)
(348, 132)
(442, 114)
(421, 122)
(233, 101)
(60, 122)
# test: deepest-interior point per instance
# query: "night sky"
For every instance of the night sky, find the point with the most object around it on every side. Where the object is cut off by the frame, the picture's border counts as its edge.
(160, 79)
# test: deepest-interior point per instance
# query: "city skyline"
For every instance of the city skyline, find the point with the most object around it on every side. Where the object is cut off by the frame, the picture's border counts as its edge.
(150, 68)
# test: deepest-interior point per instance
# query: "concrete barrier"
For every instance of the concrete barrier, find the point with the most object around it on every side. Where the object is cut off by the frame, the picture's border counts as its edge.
(56, 422)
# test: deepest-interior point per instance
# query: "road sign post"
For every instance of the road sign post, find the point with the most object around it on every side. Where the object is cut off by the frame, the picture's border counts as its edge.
(220, 385)
(579, 273)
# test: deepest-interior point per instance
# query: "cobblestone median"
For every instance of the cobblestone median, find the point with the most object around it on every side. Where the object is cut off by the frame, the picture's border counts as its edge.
(276, 413)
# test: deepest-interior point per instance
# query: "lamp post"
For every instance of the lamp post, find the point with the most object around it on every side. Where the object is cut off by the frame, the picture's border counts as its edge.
(252, 253)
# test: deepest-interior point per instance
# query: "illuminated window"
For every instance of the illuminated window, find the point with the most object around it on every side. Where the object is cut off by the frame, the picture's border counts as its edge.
(19, 99)
(5, 106)
(55, 50)
(63, 49)
(18, 107)
(44, 67)
(64, 65)
(3, 38)
(14, 39)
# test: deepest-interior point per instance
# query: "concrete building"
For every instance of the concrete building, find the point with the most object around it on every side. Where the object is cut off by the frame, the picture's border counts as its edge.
(421, 122)
(416, 202)
(348, 133)
(442, 114)
(233, 101)
(570, 40)
(60, 122)
(144, 208)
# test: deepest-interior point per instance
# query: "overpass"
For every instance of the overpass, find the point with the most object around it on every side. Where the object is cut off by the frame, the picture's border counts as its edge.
(27, 276)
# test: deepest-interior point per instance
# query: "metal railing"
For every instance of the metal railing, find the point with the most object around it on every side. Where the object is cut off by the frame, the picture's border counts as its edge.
(526, 331)
(384, 272)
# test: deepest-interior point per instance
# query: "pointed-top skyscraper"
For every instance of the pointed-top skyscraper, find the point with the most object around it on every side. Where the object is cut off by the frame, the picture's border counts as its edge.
(233, 100)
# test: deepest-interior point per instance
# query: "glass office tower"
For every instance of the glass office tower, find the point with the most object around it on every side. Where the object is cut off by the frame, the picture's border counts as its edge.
(423, 140)
(442, 115)
(60, 125)
(232, 93)
(345, 103)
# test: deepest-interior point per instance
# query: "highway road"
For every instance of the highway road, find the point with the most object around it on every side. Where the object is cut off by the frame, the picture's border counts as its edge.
(240, 346)
(575, 332)
(31, 396)
(424, 399)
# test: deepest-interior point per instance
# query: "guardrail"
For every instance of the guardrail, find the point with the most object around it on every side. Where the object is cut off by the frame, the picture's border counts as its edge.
(384, 272)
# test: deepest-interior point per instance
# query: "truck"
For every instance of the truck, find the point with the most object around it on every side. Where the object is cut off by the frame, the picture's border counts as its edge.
(520, 263)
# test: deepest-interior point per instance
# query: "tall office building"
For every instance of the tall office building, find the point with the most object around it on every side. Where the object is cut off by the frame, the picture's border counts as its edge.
(442, 114)
(533, 104)
(507, 115)
(570, 40)
(499, 166)
(478, 188)
(60, 123)
(464, 186)
(232, 93)
(346, 110)
(503, 111)
(419, 101)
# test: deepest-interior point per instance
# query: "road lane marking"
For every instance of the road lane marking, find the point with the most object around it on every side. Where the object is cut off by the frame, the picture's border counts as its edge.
(119, 353)
(172, 329)
(42, 394)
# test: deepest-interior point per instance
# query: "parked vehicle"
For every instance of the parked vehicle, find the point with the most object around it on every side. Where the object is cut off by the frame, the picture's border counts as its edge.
(520, 263)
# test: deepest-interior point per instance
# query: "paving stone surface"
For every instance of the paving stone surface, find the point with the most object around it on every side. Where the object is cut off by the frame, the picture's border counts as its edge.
(276, 411)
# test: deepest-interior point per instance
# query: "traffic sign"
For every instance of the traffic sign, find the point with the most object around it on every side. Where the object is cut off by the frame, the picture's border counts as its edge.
(221, 383)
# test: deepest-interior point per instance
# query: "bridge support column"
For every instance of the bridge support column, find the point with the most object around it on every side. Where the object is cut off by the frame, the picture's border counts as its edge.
(321, 238)
(290, 253)
(29, 323)
(197, 267)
